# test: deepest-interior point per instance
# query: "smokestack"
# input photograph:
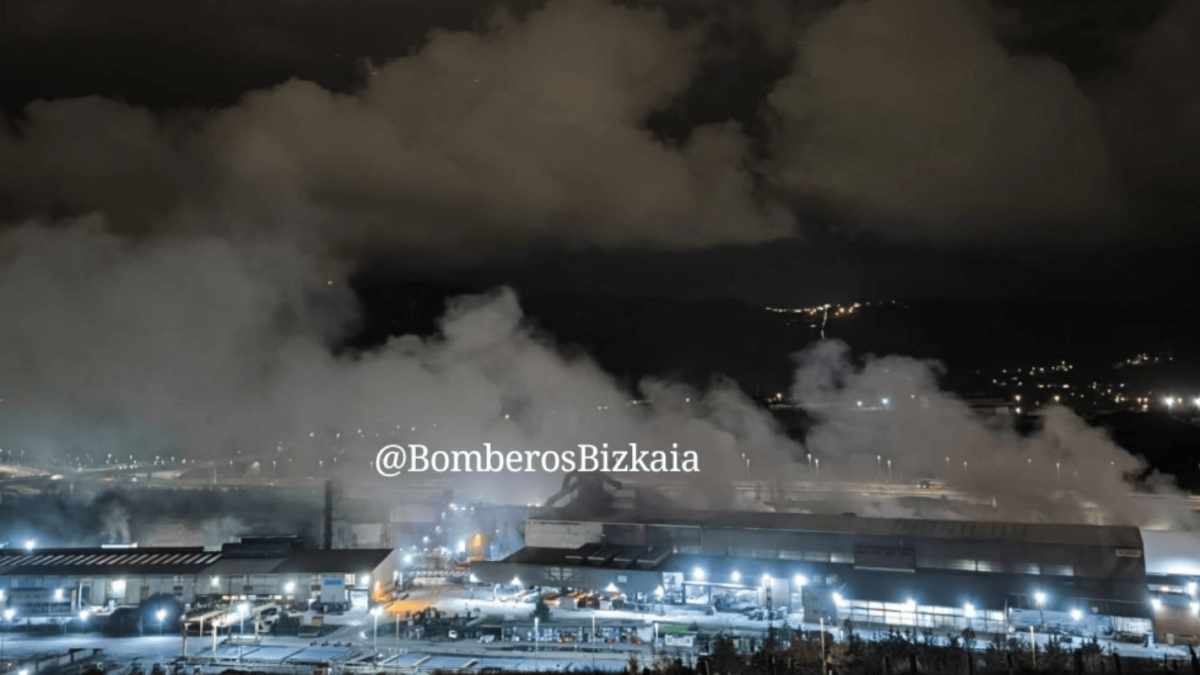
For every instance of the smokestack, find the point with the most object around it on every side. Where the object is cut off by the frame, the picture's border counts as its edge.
(329, 514)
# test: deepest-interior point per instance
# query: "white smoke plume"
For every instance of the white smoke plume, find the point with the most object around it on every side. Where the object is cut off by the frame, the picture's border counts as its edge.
(178, 310)
(115, 520)
(890, 410)
(216, 348)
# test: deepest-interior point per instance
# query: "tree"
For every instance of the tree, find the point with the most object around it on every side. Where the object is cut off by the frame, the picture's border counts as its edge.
(541, 611)
(725, 658)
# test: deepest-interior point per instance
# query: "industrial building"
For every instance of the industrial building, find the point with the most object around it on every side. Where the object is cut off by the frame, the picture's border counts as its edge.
(926, 574)
(60, 583)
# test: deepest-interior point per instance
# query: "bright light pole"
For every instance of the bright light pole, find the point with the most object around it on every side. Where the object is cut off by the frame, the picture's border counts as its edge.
(536, 635)
(375, 636)
(8, 615)
(889, 471)
(162, 615)
(83, 617)
(241, 629)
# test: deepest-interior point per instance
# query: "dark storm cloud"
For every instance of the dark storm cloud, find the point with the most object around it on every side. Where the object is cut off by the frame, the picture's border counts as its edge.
(913, 120)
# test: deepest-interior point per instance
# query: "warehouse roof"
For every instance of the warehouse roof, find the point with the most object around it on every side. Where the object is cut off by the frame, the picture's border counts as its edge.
(181, 561)
(69, 561)
(348, 561)
(231, 566)
(958, 530)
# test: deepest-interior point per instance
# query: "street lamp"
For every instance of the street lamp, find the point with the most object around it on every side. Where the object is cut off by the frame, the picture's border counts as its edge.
(242, 629)
(375, 635)
(536, 635)
(8, 615)
(83, 617)
(161, 614)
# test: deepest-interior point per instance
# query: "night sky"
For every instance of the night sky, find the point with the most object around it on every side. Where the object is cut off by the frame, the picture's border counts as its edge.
(769, 151)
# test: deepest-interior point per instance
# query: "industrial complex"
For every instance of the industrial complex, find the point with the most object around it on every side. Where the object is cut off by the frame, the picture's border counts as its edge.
(598, 544)
(991, 577)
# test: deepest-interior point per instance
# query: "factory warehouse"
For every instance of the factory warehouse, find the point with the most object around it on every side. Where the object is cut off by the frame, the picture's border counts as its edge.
(50, 584)
(991, 577)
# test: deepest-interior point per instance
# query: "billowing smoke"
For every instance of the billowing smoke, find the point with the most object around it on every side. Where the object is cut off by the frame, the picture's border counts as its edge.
(530, 132)
(910, 118)
(114, 519)
(886, 420)
(187, 301)
(217, 349)
(911, 112)
(1152, 111)
(222, 530)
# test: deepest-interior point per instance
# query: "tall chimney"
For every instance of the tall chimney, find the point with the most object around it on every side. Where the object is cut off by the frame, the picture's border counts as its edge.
(329, 514)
